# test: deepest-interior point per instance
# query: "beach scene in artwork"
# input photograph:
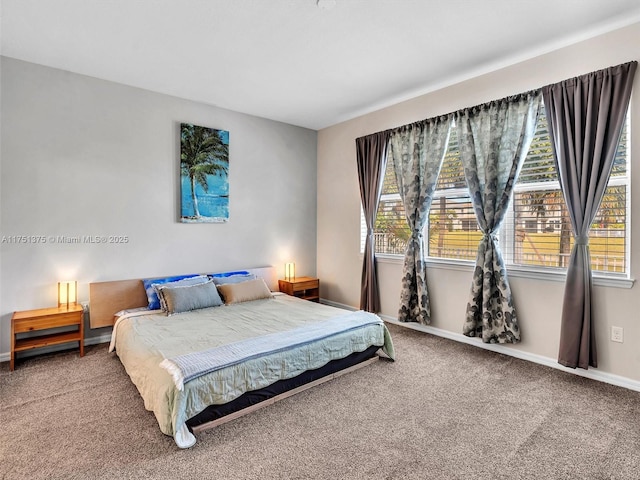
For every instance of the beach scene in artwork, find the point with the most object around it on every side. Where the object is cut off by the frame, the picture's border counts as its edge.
(204, 170)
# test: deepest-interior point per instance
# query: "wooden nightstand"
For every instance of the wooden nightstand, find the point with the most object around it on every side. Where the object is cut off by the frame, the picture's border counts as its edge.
(42, 320)
(307, 288)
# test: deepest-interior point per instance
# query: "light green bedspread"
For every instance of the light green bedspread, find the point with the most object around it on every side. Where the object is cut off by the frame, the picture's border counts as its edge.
(142, 342)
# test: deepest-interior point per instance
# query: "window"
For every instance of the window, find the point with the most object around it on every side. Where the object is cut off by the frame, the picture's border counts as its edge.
(536, 232)
(391, 231)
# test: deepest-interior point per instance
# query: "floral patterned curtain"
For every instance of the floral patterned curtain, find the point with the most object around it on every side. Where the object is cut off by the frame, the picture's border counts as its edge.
(418, 151)
(494, 139)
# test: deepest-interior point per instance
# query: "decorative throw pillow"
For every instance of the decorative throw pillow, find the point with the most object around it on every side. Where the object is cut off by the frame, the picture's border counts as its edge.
(191, 297)
(152, 295)
(244, 291)
(178, 283)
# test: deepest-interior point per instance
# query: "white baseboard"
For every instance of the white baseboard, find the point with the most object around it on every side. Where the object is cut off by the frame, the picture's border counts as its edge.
(593, 374)
(106, 338)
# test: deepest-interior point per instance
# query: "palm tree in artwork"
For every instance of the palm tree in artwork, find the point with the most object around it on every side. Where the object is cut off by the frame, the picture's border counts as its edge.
(202, 153)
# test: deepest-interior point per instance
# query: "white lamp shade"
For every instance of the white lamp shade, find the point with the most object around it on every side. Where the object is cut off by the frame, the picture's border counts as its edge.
(289, 271)
(67, 293)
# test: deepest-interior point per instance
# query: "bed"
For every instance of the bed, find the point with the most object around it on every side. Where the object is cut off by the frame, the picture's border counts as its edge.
(198, 361)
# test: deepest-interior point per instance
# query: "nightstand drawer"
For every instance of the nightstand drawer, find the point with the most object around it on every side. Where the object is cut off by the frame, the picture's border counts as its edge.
(49, 321)
(305, 285)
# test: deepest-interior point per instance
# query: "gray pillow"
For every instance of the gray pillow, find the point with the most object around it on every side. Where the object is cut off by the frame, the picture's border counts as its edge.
(178, 283)
(234, 279)
(191, 297)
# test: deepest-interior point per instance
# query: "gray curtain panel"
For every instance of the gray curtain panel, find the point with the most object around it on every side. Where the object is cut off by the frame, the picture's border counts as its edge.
(371, 152)
(586, 115)
(494, 140)
(418, 151)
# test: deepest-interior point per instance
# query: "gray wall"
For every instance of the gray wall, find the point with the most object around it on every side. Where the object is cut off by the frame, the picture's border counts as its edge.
(539, 302)
(82, 156)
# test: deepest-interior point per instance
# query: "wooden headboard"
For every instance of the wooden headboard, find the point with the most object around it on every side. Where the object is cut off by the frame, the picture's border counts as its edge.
(107, 298)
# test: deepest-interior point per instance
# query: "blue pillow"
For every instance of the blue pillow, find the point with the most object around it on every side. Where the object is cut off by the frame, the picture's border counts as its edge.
(152, 295)
(228, 274)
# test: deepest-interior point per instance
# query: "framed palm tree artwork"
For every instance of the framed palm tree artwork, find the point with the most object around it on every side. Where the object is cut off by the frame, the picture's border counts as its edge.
(204, 169)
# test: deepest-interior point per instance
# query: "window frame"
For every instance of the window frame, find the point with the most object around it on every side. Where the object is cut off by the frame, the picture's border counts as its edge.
(506, 235)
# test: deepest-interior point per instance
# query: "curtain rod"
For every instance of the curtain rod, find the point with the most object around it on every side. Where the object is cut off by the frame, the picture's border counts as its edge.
(487, 104)
(458, 112)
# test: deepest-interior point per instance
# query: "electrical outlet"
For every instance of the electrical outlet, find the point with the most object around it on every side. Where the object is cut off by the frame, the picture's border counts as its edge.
(617, 334)
(85, 306)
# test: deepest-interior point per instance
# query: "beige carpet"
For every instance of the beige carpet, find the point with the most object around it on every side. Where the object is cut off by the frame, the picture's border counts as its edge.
(443, 411)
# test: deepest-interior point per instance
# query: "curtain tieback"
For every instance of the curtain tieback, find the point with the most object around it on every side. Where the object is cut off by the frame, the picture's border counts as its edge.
(491, 235)
(581, 240)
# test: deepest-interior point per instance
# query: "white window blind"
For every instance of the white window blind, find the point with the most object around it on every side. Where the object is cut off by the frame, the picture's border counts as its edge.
(391, 231)
(536, 232)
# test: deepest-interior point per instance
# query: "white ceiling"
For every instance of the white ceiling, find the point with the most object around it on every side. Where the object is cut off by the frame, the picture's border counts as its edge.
(290, 60)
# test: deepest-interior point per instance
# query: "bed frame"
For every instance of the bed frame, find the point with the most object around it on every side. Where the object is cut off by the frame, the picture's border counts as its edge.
(107, 298)
(216, 415)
